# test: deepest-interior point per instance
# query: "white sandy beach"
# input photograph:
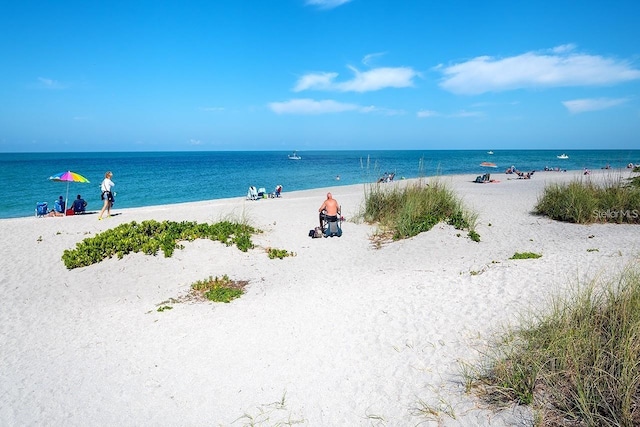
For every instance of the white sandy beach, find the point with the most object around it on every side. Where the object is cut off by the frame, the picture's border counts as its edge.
(342, 334)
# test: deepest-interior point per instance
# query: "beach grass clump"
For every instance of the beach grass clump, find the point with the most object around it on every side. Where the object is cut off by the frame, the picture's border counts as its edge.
(219, 289)
(274, 253)
(585, 202)
(577, 364)
(525, 255)
(151, 236)
(406, 211)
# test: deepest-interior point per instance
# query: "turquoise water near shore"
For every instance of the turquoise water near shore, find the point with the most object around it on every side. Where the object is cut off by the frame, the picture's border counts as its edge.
(157, 178)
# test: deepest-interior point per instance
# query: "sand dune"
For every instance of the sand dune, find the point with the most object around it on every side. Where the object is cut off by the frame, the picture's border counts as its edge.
(342, 334)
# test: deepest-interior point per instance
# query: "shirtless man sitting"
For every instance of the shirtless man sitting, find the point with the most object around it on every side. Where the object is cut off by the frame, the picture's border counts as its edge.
(329, 209)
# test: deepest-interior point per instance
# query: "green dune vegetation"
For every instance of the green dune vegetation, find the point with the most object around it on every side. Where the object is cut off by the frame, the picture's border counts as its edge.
(405, 211)
(219, 289)
(151, 236)
(578, 364)
(584, 201)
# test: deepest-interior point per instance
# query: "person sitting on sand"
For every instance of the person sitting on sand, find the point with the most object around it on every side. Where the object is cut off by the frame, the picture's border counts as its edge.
(329, 210)
(79, 205)
(58, 208)
(59, 205)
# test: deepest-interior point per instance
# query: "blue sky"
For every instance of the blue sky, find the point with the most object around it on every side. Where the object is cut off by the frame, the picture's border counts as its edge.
(319, 74)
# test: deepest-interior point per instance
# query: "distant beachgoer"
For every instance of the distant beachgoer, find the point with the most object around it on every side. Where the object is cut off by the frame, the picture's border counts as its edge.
(58, 208)
(337, 177)
(79, 205)
(329, 209)
(59, 205)
(106, 195)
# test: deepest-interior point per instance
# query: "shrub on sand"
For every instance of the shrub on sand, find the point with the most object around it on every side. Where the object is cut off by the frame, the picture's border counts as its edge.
(151, 236)
(525, 255)
(405, 211)
(219, 289)
(578, 364)
(585, 201)
(274, 253)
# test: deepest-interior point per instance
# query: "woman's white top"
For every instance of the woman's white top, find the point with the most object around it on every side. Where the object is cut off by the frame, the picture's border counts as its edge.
(106, 185)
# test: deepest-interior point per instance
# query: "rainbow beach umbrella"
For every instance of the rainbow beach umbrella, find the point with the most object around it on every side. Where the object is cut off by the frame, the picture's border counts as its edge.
(68, 177)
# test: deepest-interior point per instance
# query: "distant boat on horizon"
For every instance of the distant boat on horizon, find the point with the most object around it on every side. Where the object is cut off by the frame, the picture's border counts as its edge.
(294, 156)
(562, 156)
(488, 165)
(489, 152)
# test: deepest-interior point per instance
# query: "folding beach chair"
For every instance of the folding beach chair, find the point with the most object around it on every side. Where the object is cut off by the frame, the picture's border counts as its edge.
(41, 209)
(252, 194)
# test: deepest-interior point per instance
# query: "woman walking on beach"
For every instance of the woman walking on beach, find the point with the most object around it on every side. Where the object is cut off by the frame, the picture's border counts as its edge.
(107, 195)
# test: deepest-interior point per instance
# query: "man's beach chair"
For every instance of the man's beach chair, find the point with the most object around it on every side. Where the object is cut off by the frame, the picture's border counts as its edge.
(332, 225)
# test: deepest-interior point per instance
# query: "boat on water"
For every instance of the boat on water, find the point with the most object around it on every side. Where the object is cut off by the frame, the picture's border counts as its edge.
(294, 156)
(489, 152)
(562, 156)
(488, 165)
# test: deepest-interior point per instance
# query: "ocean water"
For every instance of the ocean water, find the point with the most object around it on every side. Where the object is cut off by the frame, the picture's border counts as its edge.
(157, 178)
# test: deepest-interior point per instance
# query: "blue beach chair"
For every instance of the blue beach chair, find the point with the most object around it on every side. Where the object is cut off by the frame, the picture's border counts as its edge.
(42, 209)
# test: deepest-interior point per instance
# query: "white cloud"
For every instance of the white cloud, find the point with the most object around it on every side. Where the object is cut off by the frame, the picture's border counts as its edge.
(368, 59)
(367, 81)
(578, 106)
(560, 67)
(47, 83)
(378, 78)
(381, 111)
(327, 4)
(327, 106)
(319, 81)
(193, 141)
(563, 48)
(212, 109)
(427, 113)
(310, 106)
(464, 113)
